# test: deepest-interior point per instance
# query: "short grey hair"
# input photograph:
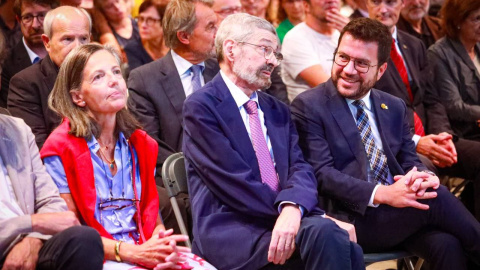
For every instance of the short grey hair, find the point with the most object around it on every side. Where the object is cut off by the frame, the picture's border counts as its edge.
(180, 16)
(240, 27)
(50, 17)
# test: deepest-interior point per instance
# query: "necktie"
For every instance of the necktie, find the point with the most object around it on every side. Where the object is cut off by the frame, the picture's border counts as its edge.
(35, 60)
(265, 163)
(378, 160)
(402, 70)
(196, 83)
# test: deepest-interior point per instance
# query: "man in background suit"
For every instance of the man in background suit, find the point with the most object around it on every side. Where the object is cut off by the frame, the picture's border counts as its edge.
(415, 21)
(30, 15)
(438, 146)
(65, 28)
(254, 198)
(158, 89)
(36, 230)
(358, 140)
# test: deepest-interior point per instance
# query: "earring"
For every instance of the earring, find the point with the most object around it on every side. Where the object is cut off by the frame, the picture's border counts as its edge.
(83, 102)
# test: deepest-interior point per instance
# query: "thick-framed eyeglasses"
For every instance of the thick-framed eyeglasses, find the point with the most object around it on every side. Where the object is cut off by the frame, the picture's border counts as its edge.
(148, 20)
(362, 66)
(389, 3)
(267, 51)
(28, 18)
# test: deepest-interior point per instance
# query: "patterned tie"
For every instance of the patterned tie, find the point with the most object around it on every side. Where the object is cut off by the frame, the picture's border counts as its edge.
(196, 83)
(402, 70)
(265, 163)
(378, 160)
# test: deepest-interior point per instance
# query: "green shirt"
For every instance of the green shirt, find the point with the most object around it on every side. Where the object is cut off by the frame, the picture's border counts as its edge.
(283, 28)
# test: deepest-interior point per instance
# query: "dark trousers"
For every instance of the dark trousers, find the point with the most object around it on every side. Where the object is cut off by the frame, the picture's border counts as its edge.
(467, 166)
(77, 247)
(442, 235)
(321, 244)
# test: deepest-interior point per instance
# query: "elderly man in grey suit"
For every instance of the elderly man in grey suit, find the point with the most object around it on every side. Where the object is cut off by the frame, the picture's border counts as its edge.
(36, 230)
(158, 89)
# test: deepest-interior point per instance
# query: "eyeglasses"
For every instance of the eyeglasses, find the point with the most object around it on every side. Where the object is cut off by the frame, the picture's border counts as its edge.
(148, 20)
(362, 66)
(28, 18)
(389, 3)
(267, 51)
(224, 12)
(115, 204)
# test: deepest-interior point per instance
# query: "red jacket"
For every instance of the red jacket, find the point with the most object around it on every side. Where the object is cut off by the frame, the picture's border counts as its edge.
(75, 156)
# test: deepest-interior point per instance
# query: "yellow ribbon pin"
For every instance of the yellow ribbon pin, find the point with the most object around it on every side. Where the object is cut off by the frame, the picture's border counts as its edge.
(385, 107)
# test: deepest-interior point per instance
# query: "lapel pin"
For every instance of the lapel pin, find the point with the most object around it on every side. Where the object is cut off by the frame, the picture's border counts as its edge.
(405, 46)
(385, 107)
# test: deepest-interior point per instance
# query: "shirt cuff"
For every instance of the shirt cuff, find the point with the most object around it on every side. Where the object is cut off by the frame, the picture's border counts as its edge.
(415, 139)
(280, 206)
(370, 203)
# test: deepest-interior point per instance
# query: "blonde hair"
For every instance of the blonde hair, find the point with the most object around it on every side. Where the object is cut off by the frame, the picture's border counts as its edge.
(70, 78)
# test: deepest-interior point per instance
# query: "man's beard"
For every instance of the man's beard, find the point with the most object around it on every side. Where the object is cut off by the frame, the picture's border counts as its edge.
(254, 78)
(361, 91)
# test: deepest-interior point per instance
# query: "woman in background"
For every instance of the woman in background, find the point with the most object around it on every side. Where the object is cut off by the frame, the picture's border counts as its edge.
(152, 46)
(290, 13)
(455, 68)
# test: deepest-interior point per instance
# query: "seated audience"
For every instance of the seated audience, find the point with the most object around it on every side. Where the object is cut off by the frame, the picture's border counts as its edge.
(360, 10)
(36, 229)
(255, 7)
(309, 46)
(359, 142)
(455, 66)
(9, 25)
(104, 165)
(290, 13)
(255, 198)
(30, 15)
(117, 15)
(65, 28)
(150, 26)
(415, 20)
(223, 8)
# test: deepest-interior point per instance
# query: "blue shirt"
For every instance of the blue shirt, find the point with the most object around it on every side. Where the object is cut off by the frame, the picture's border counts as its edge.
(118, 222)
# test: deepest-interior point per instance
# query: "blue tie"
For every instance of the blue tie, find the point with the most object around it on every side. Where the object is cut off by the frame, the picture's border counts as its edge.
(36, 60)
(378, 160)
(196, 82)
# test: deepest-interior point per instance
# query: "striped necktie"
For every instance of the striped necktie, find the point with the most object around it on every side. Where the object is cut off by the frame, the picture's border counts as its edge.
(378, 160)
(196, 82)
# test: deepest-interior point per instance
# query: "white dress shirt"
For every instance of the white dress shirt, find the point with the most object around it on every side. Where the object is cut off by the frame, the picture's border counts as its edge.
(183, 69)
(32, 55)
(369, 110)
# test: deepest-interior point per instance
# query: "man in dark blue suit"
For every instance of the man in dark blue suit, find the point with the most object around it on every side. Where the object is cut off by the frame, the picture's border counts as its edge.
(358, 140)
(254, 198)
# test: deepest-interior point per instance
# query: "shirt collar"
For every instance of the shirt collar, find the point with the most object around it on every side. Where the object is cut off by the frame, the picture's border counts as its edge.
(394, 34)
(238, 95)
(182, 65)
(31, 54)
(93, 144)
(366, 99)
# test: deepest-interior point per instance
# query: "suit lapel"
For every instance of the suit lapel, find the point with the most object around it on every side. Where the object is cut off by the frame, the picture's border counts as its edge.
(277, 134)
(383, 121)
(409, 62)
(172, 85)
(227, 110)
(338, 107)
(401, 89)
(211, 69)
(23, 60)
(460, 50)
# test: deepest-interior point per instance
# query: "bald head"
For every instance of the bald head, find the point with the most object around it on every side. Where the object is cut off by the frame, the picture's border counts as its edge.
(65, 28)
(65, 12)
